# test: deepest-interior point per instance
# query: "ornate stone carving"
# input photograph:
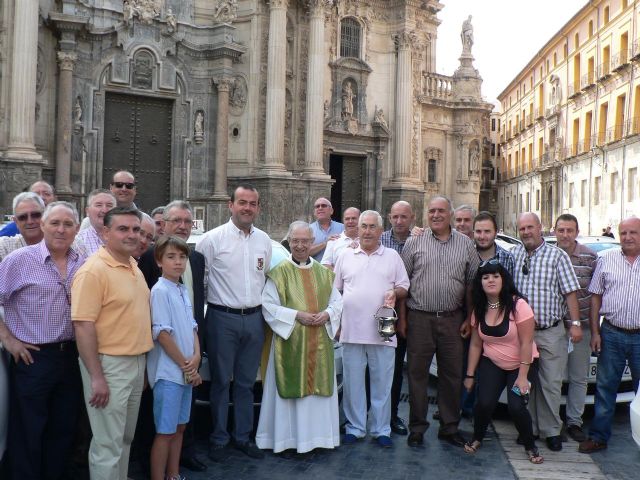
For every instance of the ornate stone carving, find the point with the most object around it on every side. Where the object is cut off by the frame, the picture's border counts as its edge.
(474, 158)
(40, 72)
(198, 128)
(555, 97)
(404, 39)
(238, 98)
(143, 70)
(318, 4)
(466, 35)
(66, 60)
(145, 10)
(348, 98)
(225, 11)
(77, 114)
(172, 24)
(278, 3)
(378, 118)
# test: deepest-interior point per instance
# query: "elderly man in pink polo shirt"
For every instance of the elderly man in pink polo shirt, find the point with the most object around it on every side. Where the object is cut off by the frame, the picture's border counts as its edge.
(368, 276)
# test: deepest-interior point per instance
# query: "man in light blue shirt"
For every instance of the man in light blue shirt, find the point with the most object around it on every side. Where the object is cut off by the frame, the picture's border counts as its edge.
(324, 229)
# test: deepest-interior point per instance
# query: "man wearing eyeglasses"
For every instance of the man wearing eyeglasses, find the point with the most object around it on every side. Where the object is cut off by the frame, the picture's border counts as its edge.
(45, 192)
(36, 330)
(147, 234)
(178, 220)
(324, 229)
(545, 276)
(123, 186)
(27, 213)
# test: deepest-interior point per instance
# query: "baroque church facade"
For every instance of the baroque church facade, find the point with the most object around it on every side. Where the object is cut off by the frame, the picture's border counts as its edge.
(302, 98)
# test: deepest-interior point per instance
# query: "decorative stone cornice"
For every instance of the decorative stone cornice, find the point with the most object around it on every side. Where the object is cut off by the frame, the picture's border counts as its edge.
(223, 84)
(278, 3)
(318, 6)
(67, 60)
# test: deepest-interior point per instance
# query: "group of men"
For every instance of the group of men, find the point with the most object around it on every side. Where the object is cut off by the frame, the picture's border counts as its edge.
(72, 291)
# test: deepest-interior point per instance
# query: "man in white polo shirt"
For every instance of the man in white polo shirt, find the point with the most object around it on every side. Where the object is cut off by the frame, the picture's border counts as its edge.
(348, 238)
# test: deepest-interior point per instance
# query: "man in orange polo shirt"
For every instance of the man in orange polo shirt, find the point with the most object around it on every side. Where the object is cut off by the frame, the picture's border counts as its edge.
(112, 322)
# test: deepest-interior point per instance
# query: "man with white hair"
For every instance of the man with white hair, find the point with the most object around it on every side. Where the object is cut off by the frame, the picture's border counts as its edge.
(36, 330)
(463, 220)
(99, 202)
(369, 276)
(44, 191)
(147, 234)
(300, 399)
(27, 214)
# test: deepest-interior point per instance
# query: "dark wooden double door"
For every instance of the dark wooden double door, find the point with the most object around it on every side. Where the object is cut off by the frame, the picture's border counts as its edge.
(137, 138)
(347, 191)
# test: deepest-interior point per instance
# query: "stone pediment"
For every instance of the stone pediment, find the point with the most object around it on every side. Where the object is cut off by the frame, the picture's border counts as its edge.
(350, 63)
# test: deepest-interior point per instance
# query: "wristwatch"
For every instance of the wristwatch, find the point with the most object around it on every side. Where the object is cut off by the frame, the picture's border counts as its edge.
(576, 323)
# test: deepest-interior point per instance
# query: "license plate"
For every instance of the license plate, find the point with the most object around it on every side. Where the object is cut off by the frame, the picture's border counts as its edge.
(593, 370)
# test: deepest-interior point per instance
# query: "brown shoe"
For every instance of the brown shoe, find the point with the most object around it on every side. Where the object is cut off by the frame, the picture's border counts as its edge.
(590, 446)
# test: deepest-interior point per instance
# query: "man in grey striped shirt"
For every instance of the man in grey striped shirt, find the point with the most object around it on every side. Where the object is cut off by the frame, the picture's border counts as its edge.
(441, 265)
(616, 288)
(544, 275)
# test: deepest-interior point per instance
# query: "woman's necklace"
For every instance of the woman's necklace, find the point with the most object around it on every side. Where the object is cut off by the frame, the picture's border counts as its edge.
(494, 306)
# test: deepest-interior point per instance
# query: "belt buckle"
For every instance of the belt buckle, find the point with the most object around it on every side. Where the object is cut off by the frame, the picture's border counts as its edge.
(440, 313)
(242, 311)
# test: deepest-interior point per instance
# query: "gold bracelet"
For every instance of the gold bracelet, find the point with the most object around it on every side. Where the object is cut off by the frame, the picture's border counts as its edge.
(525, 363)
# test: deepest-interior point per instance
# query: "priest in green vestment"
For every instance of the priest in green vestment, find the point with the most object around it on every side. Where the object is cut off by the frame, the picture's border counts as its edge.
(299, 408)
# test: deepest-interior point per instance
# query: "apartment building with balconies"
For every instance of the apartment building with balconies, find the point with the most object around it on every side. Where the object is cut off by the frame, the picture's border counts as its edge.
(570, 123)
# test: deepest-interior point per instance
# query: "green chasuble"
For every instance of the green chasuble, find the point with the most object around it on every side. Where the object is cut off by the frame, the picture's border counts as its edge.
(304, 362)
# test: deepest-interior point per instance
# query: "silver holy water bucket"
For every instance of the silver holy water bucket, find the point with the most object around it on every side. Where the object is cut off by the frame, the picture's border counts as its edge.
(386, 318)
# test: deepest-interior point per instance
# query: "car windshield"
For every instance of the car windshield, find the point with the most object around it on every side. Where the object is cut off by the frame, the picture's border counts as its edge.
(601, 246)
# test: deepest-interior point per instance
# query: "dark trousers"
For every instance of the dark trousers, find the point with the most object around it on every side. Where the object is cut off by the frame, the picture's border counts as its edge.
(427, 335)
(396, 386)
(44, 403)
(235, 344)
(491, 381)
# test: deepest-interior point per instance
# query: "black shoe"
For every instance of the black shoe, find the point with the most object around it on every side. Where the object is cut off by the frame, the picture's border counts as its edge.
(520, 442)
(455, 439)
(218, 453)
(436, 415)
(575, 432)
(554, 443)
(397, 426)
(415, 439)
(250, 450)
(193, 464)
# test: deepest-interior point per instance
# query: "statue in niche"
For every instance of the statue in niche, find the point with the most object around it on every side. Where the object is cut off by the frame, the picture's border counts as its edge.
(556, 91)
(378, 117)
(143, 71)
(238, 97)
(326, 109)
(225, 10)
(466, 35)
(77, 114)
(172, 24)
(198, 127)
(347, 101)
(474, 158)
(145, 10)
(127, 12)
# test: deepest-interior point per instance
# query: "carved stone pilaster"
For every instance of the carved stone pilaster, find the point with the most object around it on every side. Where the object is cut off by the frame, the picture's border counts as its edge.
(66, 63)
(224, 85)
(66, 60)
(404, 40)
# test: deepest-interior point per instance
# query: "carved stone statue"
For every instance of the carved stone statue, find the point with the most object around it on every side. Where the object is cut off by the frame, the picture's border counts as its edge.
(172, 24)
(238, 93)
(225, 10)
(77, 112)
(378, 117)
(347, 101)
(326, 109)
(556, 91)
(127, 12)
(145, 10)
(198, 127)
(474, 158)
(466, 35)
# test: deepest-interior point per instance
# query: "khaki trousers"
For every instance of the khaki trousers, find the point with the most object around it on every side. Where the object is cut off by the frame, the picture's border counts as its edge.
(113, 427)
(544, 404)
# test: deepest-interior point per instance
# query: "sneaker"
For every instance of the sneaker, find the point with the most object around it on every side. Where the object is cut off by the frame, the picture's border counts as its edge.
(575, 432)
(218, 453)
(384, 441)
(349, 439)
(249, 449)
(590, 445)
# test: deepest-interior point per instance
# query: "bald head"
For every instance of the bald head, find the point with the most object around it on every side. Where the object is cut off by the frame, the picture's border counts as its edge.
(530, 230)
(629, 230)
(322, 210)
(401, 217)
(45, 191)
(350, 220)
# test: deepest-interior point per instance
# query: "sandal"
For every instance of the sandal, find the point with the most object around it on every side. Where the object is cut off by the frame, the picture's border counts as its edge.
(534, 456)
(472, 446)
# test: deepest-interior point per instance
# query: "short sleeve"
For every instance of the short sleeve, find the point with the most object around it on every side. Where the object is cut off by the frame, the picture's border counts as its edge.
(86, 296)
(523, 311)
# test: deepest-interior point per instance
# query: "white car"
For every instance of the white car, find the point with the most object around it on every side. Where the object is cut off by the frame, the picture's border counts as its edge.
(634, 414)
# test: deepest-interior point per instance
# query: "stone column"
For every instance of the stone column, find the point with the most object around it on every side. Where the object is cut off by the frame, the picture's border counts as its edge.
(314, 126)
(404, 107)
(23, 82)
(66, 62)
(276, 81)
(223, 85)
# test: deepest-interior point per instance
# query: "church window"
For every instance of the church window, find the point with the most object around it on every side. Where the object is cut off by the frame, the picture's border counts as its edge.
(350, 38)
(431, 171)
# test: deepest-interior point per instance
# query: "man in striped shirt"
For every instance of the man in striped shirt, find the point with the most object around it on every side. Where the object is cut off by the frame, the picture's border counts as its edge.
(544, 275)
(441, 265)
(27, 212)
(615, 289)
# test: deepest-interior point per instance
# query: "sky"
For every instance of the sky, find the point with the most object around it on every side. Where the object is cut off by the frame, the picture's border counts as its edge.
(507, 34)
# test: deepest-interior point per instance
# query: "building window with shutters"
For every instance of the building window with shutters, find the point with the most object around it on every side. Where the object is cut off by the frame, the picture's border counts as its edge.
(350, 33)
(431, 171)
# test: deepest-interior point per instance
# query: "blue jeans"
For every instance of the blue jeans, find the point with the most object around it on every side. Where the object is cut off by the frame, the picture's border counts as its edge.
(617, 346)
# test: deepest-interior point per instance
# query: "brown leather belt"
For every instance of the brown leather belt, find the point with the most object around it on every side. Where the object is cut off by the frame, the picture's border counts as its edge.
(620, 329)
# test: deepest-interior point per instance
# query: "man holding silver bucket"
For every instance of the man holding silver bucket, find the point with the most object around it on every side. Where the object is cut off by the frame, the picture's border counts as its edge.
(369, 276)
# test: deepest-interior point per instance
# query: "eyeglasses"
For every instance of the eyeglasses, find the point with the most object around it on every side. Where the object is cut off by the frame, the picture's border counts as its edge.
(300, 241)
(32, 215)
(181, 221)
(493, 261)
(322, 205)
(127, 185)
(525, 265)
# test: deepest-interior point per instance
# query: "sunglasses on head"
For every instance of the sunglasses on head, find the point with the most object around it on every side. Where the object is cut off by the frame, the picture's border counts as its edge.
(493, 261)
(33, 215)
(127, 185)
(525, 265)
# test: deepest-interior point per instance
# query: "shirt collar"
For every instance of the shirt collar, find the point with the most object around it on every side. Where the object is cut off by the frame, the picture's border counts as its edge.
(104, 254)
(378, 251)
(236, 230)
(44, 252)
(395, 239)
(169, 283)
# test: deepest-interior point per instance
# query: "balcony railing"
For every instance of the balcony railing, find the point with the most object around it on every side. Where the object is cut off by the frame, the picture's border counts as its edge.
(604, 69)
(620, 59)
(587, 80)
(573, 89)
(529, 119)
(538, 113)
(437, 86)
